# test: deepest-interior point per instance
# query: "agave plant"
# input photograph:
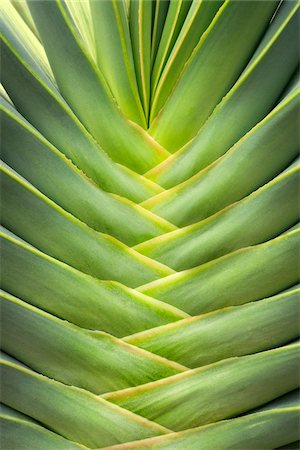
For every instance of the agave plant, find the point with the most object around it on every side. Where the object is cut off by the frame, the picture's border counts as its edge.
(150, 207)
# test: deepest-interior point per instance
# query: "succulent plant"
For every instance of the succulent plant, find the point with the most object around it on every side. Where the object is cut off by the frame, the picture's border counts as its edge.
(150, 247)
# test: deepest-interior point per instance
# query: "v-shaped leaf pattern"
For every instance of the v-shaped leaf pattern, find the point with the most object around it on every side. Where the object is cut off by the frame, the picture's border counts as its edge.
(150, 201)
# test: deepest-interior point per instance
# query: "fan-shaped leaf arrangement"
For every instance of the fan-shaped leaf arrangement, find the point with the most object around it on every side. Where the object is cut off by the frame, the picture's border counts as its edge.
(150, 203)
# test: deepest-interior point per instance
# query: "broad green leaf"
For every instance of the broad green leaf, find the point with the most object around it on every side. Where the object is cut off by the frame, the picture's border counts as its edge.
(19, 431)
(198, 18)
(218, 391)
(114, 56)
(253, 161)
(140, 23)
(73, 413)
(240, 277)
(189, 106)
(261, 431)
(86, 91)
(250, 99)
(74, 296)
(95, 361)
(49, 171)
(56, 232)
(34, 96)
(236, 226)
(233, 331)
(177, 13)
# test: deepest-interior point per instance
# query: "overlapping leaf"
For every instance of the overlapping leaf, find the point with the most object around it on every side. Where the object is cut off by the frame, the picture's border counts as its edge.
(92, 302)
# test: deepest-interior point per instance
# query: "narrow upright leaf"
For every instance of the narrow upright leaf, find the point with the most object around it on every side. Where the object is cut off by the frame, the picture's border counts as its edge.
(219, 49)
(140, 21)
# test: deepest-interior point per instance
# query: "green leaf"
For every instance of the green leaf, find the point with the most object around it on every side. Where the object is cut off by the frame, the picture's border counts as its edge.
(236, 226)
(249, 100)
(4, 95)
(19, 431)
(258, 154)
(181, 117)
(56, 177)
(245, 275)
(140, 23)
(198, 18)
(239, 384)
(177, 13)
(94, 361)
(70, 411)
(22, 7)
(75, 296)
(233, 331)
(61, 235)
(81, 14)
(114, 56)
(150, 276)
(86, 91)
(261, 430)
(25, 41)
(34, 96)
(159, 17)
